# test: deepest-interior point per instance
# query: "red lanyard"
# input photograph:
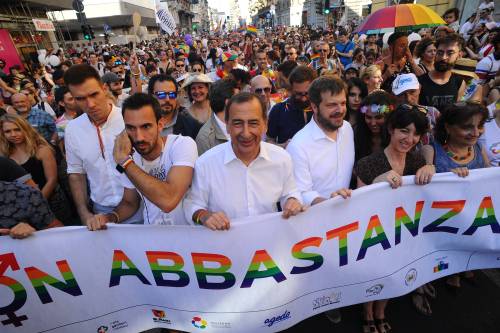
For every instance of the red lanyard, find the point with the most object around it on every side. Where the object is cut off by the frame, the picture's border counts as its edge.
(101, 144)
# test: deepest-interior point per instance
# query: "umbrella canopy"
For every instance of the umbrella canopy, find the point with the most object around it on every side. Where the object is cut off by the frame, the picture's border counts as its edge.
(400, 18)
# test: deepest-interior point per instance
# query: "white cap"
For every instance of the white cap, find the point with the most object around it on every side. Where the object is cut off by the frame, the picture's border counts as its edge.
(414, 37)
(404, 82)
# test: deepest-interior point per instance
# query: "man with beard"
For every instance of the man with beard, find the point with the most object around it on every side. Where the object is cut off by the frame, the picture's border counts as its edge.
(440, 87)
(89, 141)
(244, 176)
(176, 119)
(115, 86)
(323, 151)
(158, 169)
(290, 116)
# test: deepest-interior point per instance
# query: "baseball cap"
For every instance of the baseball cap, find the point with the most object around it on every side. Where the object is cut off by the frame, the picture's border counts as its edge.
(227, 56)
(110, 77)
(404, 82)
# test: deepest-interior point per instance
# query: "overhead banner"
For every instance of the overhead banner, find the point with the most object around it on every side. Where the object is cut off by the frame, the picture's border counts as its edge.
(163, 17)
(263, 275)
(8, 51)
(43, 25)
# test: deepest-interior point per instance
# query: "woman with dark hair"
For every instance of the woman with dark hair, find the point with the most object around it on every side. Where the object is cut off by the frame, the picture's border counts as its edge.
(456, 149)
(356, 92)
(211, 63)
(399, 60)
(426, 51)
(403, 129)
(369, 123)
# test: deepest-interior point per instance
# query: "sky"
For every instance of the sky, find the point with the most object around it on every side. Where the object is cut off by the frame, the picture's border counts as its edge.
(222, 6)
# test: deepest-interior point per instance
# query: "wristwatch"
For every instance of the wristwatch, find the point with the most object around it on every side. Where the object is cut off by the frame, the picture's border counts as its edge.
(120, 167)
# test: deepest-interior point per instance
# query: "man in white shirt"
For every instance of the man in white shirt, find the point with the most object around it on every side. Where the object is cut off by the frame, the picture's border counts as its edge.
(323, 151)
(159, 171)
(244, 176)
(89, 141)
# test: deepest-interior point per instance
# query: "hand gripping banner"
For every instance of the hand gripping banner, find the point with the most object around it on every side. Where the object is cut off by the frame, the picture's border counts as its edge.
(263, 275)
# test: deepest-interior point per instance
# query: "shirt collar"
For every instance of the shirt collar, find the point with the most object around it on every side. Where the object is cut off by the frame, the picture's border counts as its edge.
(318, 133)
(229, 155)
(115, 112)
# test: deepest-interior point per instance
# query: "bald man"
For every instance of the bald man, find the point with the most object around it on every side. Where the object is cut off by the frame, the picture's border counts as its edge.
(40, 120)
(261, 86)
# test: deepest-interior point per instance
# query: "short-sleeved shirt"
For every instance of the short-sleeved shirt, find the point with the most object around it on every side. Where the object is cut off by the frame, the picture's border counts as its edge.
(370, 167)
(286, 119)
(42, 122)
(490, 141)
(178, 151)
(12, 172)
(345, 48)
(23, 203)
(61, 124)
(487, 68)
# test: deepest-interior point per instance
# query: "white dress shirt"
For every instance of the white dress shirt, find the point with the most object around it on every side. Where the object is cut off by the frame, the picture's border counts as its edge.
(224, 183)
(322, 165)
(83, 155)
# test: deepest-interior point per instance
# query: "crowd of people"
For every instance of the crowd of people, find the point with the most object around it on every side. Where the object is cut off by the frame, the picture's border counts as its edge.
(228, 125)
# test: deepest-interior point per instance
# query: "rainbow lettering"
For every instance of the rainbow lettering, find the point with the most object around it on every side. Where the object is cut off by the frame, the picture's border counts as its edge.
(20, 296)
(411, 226)
(317, 259)
(480, 221)
(456, 207)
(203, 272)
(119, 257)
(262, 257)
(341, 233)
(380, 238)
(158, 270)
(440, 267)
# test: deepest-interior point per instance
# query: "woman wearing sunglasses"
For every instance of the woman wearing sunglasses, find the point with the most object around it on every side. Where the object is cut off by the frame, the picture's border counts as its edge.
(197, 86)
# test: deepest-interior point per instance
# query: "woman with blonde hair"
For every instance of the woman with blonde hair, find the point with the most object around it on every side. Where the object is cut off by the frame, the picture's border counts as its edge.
(23, 144)
(372, 76)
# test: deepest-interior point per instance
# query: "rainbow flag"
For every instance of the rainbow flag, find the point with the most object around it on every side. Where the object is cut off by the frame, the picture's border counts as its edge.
(314, 64)
(251, 29)
(314, 57)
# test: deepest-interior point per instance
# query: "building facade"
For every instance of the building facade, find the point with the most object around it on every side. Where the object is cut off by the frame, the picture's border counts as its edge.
(201, 20)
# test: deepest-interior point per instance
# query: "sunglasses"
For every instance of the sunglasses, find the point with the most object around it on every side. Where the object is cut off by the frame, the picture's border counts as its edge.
(290, 54)
(323, 51)
(259, 91)
(196, 70)
(164, 94)
(179, 66)
(118, 62)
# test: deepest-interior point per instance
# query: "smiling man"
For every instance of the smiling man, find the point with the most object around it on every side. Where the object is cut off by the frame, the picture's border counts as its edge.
(244, 176)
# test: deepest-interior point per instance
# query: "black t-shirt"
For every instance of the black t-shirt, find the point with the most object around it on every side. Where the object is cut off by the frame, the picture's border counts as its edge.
(439, 95)
(286, 119)
(10, 171)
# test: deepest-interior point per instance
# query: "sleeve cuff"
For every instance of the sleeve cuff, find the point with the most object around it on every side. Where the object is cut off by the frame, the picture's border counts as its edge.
(309, 197)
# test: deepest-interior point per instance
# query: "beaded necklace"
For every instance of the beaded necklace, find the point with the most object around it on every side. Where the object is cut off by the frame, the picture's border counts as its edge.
(456, 157)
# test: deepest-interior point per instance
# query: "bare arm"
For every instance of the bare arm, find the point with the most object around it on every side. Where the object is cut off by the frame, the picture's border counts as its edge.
(164, 194)
(461, 91)
(46, 155)
(127, 206)
(78, 185)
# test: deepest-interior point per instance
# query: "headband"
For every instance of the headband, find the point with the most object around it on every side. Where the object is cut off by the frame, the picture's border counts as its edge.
(375, 108)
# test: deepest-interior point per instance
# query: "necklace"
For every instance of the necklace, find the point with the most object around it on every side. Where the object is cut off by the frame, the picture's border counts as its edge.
(455, 156)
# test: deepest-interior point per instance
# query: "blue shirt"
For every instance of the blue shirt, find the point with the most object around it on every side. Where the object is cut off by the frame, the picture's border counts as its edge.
(345, 48)
(286, 119)
(42, 122)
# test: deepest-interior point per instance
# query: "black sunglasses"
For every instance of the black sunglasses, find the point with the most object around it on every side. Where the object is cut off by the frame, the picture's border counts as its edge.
(259, 91)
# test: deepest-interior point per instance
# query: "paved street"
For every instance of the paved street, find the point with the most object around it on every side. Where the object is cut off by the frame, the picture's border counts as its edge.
(475, 310)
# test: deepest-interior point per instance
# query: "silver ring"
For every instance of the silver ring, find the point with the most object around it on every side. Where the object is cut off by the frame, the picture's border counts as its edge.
(394, 179)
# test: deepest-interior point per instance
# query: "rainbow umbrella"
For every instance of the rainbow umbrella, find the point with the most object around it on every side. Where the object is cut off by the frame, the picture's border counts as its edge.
(404, 17)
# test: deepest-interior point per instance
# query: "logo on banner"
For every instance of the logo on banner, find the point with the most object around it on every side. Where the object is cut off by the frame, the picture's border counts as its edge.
(374, 290)
(102, 329)
(411, 277)
(325, 300)
(274, 320)
(116, 325)
(199, 322)
(159, 316)
(441, 266)
(220, 324)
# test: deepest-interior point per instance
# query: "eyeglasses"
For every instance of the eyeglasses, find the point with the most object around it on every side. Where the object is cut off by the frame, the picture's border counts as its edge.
(290, 54)
(118, 62)
(266, 90)
(196, 70)
(324, 51)
(179, 66)
(164, 94)
(301, 94)
(203, 51)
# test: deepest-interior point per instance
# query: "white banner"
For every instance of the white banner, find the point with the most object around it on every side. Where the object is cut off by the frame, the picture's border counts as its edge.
(263, 275)
(43, 25)
(164, 17)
